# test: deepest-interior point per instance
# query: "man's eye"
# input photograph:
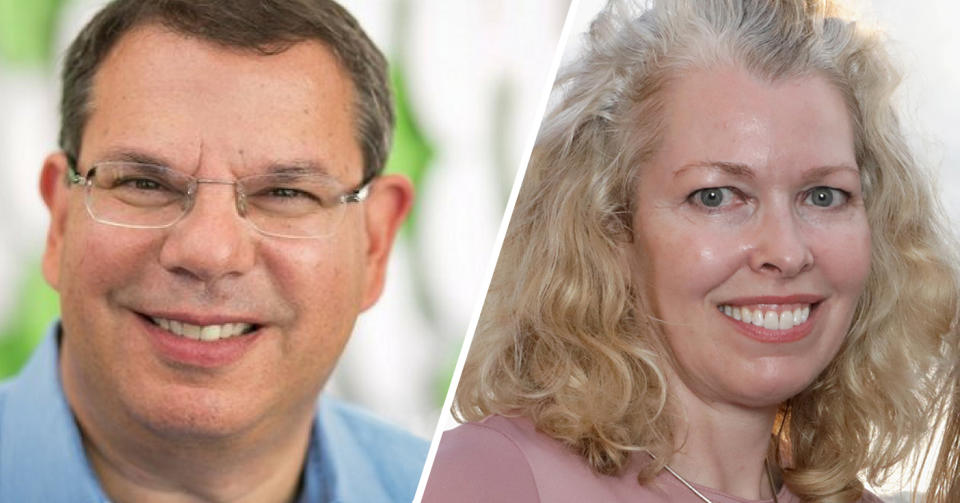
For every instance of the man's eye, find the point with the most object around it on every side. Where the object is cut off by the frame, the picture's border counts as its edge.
(288, 197)
(289, 193)
(826, 197)
(144, 184)
(285, 193)
(712, 197)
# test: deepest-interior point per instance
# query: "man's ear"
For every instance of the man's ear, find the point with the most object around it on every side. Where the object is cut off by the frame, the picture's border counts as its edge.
(389, 202)
(54, 190)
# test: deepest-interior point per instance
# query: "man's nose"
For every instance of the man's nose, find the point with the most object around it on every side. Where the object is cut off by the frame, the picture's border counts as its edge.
(780, 246)
(211, 241)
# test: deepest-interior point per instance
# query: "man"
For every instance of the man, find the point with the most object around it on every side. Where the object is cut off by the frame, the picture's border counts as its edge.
(218, 221)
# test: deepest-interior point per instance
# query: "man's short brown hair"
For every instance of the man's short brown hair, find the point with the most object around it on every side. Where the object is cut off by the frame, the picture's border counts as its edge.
(264, 26)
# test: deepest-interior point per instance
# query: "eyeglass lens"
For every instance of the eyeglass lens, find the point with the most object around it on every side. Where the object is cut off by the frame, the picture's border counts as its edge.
(282, 204)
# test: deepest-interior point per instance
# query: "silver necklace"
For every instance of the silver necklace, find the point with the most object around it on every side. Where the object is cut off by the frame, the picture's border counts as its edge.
(766, 467)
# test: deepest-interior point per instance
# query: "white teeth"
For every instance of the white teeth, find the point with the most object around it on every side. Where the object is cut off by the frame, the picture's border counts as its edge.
(210, 333)
(202, 333)
(786, 320)
(191, 331)
(769, 319)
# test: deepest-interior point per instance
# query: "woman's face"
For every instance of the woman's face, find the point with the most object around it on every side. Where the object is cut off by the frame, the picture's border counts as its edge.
(752, 239)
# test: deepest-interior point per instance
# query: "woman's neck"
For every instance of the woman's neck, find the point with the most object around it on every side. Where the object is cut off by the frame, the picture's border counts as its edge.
(723, 446)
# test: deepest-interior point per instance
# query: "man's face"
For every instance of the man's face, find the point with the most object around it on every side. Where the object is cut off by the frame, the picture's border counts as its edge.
(213, 113)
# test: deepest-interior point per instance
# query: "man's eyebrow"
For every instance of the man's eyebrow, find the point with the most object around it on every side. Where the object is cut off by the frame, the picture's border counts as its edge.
(131, 155)
(293, 167)
(732, 168)
(298, 167)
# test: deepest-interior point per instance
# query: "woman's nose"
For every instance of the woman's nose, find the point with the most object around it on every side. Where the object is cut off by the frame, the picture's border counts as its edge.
(780, 247)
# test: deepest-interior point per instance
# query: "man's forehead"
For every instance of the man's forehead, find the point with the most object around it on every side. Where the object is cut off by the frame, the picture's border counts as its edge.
(154, 46)
(164, 94)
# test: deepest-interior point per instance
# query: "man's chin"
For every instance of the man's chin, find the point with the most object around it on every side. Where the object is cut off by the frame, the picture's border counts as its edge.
(209, 421)
(168, 407)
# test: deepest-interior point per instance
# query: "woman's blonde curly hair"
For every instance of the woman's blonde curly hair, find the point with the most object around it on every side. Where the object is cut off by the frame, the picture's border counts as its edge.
(566, 339)
(945, 482)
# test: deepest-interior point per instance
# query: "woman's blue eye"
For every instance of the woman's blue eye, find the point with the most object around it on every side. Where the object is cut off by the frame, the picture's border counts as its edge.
(713, 197)
(826, 197)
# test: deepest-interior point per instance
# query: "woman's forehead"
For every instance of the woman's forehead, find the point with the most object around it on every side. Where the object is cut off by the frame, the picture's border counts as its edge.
(728, 117)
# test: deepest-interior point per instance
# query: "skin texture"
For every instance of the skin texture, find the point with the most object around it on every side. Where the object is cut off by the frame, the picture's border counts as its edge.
(159, 429)
(766, 239)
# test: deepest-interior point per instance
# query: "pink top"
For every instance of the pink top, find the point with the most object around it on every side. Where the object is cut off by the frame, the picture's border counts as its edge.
(503, 459)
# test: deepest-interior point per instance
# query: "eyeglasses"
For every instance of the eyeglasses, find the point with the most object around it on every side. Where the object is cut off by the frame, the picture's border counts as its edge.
(145, 196)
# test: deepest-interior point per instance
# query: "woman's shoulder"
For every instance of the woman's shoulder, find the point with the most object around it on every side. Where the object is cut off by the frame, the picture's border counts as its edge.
(519, 432)
(482, 461)
(507, 459)
(517, 437)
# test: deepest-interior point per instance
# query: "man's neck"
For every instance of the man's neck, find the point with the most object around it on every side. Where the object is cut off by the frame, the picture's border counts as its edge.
(135, 463)
(189, 475)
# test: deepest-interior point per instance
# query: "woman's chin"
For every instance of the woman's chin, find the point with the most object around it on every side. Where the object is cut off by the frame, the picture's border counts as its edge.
(766, 391)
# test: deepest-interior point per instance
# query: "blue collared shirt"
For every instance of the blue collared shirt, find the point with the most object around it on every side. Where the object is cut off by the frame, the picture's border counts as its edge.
(352, 456)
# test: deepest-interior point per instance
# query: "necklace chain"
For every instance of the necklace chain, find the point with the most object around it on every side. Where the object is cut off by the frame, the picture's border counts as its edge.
(766, 466)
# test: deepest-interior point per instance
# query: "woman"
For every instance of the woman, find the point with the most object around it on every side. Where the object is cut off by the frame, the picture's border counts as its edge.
(724, 273)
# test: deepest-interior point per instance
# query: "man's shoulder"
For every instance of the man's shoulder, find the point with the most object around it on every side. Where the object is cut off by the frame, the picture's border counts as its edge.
(369, 430)
(365, 451)
(4, 391)
(5, 387)
(41, 451)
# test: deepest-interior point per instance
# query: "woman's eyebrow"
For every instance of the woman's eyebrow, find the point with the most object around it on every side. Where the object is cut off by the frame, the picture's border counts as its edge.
(743, 171)
(732, 168)
(821, 172)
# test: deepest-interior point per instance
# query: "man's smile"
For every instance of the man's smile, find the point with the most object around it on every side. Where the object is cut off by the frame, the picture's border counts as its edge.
(193, 346)
(207, 333)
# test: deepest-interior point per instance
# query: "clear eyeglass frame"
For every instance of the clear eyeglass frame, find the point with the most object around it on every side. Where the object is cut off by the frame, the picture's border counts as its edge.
(182, 188)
